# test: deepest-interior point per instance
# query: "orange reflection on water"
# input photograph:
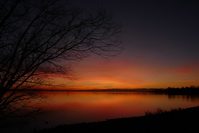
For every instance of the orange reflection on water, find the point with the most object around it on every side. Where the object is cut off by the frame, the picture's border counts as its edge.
(75, 107)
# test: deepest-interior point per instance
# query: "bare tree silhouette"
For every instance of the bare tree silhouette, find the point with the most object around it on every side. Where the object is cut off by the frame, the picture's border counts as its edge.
(36, 36)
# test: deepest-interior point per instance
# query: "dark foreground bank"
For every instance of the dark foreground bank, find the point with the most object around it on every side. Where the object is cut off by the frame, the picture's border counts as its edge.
(177, 121)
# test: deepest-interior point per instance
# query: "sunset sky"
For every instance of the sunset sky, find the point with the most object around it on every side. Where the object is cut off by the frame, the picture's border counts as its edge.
(161, 47)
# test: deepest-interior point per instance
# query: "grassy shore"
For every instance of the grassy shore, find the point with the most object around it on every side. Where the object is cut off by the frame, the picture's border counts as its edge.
(175, 121)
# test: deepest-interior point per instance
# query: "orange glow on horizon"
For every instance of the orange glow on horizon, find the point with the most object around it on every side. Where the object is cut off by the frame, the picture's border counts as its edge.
(120, 74)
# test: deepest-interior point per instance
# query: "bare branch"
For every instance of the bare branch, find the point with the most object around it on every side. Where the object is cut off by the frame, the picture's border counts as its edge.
(36, 35)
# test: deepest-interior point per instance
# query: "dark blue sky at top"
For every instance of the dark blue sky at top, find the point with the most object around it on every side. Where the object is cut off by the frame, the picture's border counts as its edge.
(167, 28)
(164, 33)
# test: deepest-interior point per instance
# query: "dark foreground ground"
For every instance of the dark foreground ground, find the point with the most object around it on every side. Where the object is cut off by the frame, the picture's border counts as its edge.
(178, 121)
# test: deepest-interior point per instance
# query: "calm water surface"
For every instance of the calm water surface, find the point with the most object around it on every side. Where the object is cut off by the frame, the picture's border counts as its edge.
(75, 107)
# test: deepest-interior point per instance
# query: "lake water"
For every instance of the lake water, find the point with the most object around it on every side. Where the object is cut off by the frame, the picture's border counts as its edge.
(75, 107)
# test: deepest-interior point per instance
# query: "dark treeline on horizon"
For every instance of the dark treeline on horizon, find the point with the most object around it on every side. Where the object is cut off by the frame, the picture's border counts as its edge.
(191, 90)
(185, 90)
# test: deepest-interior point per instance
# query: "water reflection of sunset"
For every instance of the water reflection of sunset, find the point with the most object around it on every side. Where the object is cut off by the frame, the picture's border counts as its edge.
(72, 107)
(78, 61)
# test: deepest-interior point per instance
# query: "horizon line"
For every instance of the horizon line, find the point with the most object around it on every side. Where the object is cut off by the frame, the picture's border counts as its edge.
(108, 90)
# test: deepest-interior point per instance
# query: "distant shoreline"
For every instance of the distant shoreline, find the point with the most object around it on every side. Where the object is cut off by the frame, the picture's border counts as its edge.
(92, 90)
(169, 90)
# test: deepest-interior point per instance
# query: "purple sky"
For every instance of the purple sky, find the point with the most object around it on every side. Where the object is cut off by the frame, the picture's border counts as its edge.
(161, 40)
